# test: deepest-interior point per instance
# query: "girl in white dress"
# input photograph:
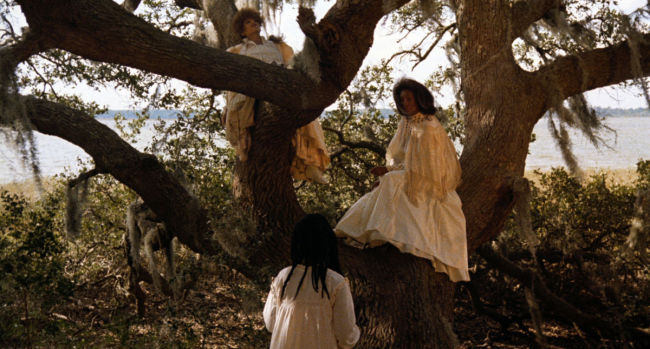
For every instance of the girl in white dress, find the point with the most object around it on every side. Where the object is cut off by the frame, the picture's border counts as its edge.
(310, 304)
(415, 206)
(311, 153)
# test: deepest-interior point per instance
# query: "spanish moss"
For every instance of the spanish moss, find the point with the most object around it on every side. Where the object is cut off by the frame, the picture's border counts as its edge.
(14, 124)
(76, 196)
(561, 136)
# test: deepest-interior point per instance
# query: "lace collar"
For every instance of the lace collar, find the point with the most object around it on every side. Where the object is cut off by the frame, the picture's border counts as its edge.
(419, 117)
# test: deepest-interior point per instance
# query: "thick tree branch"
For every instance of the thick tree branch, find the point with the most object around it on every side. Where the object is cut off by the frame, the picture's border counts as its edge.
(342, 38)
(307, 23)
(88, 29)
(143, 173)
(527, 12)
(570, 75)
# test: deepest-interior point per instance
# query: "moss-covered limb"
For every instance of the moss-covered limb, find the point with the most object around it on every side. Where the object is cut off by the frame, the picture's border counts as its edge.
(181, 212)
(142, 172)
(12, 112)
(571, 75)
(566, 79)
(10, 56)
(88, 29)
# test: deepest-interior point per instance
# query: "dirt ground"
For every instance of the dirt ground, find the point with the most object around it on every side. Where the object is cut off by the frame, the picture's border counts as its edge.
(223, 311)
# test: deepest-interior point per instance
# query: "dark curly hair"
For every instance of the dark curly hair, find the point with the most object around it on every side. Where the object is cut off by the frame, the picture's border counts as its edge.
(244, 14)
(423, 98)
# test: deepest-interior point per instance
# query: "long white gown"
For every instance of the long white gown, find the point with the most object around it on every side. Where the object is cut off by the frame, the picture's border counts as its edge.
(415, 207)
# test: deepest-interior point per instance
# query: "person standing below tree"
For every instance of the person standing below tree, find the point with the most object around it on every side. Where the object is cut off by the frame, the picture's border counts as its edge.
(310, 304)
(311, 153)
(415, 206)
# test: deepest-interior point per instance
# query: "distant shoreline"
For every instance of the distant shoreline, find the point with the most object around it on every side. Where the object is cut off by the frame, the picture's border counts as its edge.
(621, 112)
(170, 114)
(619, 176)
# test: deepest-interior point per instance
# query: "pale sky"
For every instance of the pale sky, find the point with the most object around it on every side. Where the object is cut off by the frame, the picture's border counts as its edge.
(384, 46)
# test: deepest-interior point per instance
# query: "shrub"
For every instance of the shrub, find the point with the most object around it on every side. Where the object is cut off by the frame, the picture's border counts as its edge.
(583, 254)
(32, 278)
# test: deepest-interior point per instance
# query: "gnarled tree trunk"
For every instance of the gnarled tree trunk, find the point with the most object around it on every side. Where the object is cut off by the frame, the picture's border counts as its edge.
(502, 108)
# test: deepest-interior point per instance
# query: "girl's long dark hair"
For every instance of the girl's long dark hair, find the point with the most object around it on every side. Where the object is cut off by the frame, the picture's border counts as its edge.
(423, 97)
(313, 244)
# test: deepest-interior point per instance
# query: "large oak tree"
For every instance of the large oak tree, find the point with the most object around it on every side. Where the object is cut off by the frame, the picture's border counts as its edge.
(401, 301)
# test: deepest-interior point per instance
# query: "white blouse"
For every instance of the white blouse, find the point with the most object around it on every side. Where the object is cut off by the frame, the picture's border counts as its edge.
(267, 51)
(422, 148)
(310, 321)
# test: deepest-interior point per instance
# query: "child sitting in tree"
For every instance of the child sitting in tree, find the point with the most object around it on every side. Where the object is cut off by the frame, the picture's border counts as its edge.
(311, 157)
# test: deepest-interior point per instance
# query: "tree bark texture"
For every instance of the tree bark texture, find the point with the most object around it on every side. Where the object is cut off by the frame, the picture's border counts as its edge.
(497, 94)
(400, 301)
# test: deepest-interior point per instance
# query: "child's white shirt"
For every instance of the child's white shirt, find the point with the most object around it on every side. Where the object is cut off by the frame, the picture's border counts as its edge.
(310, 321)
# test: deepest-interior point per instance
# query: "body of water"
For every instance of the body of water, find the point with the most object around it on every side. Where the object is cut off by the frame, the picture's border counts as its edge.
(629, 142)
(625, 145)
